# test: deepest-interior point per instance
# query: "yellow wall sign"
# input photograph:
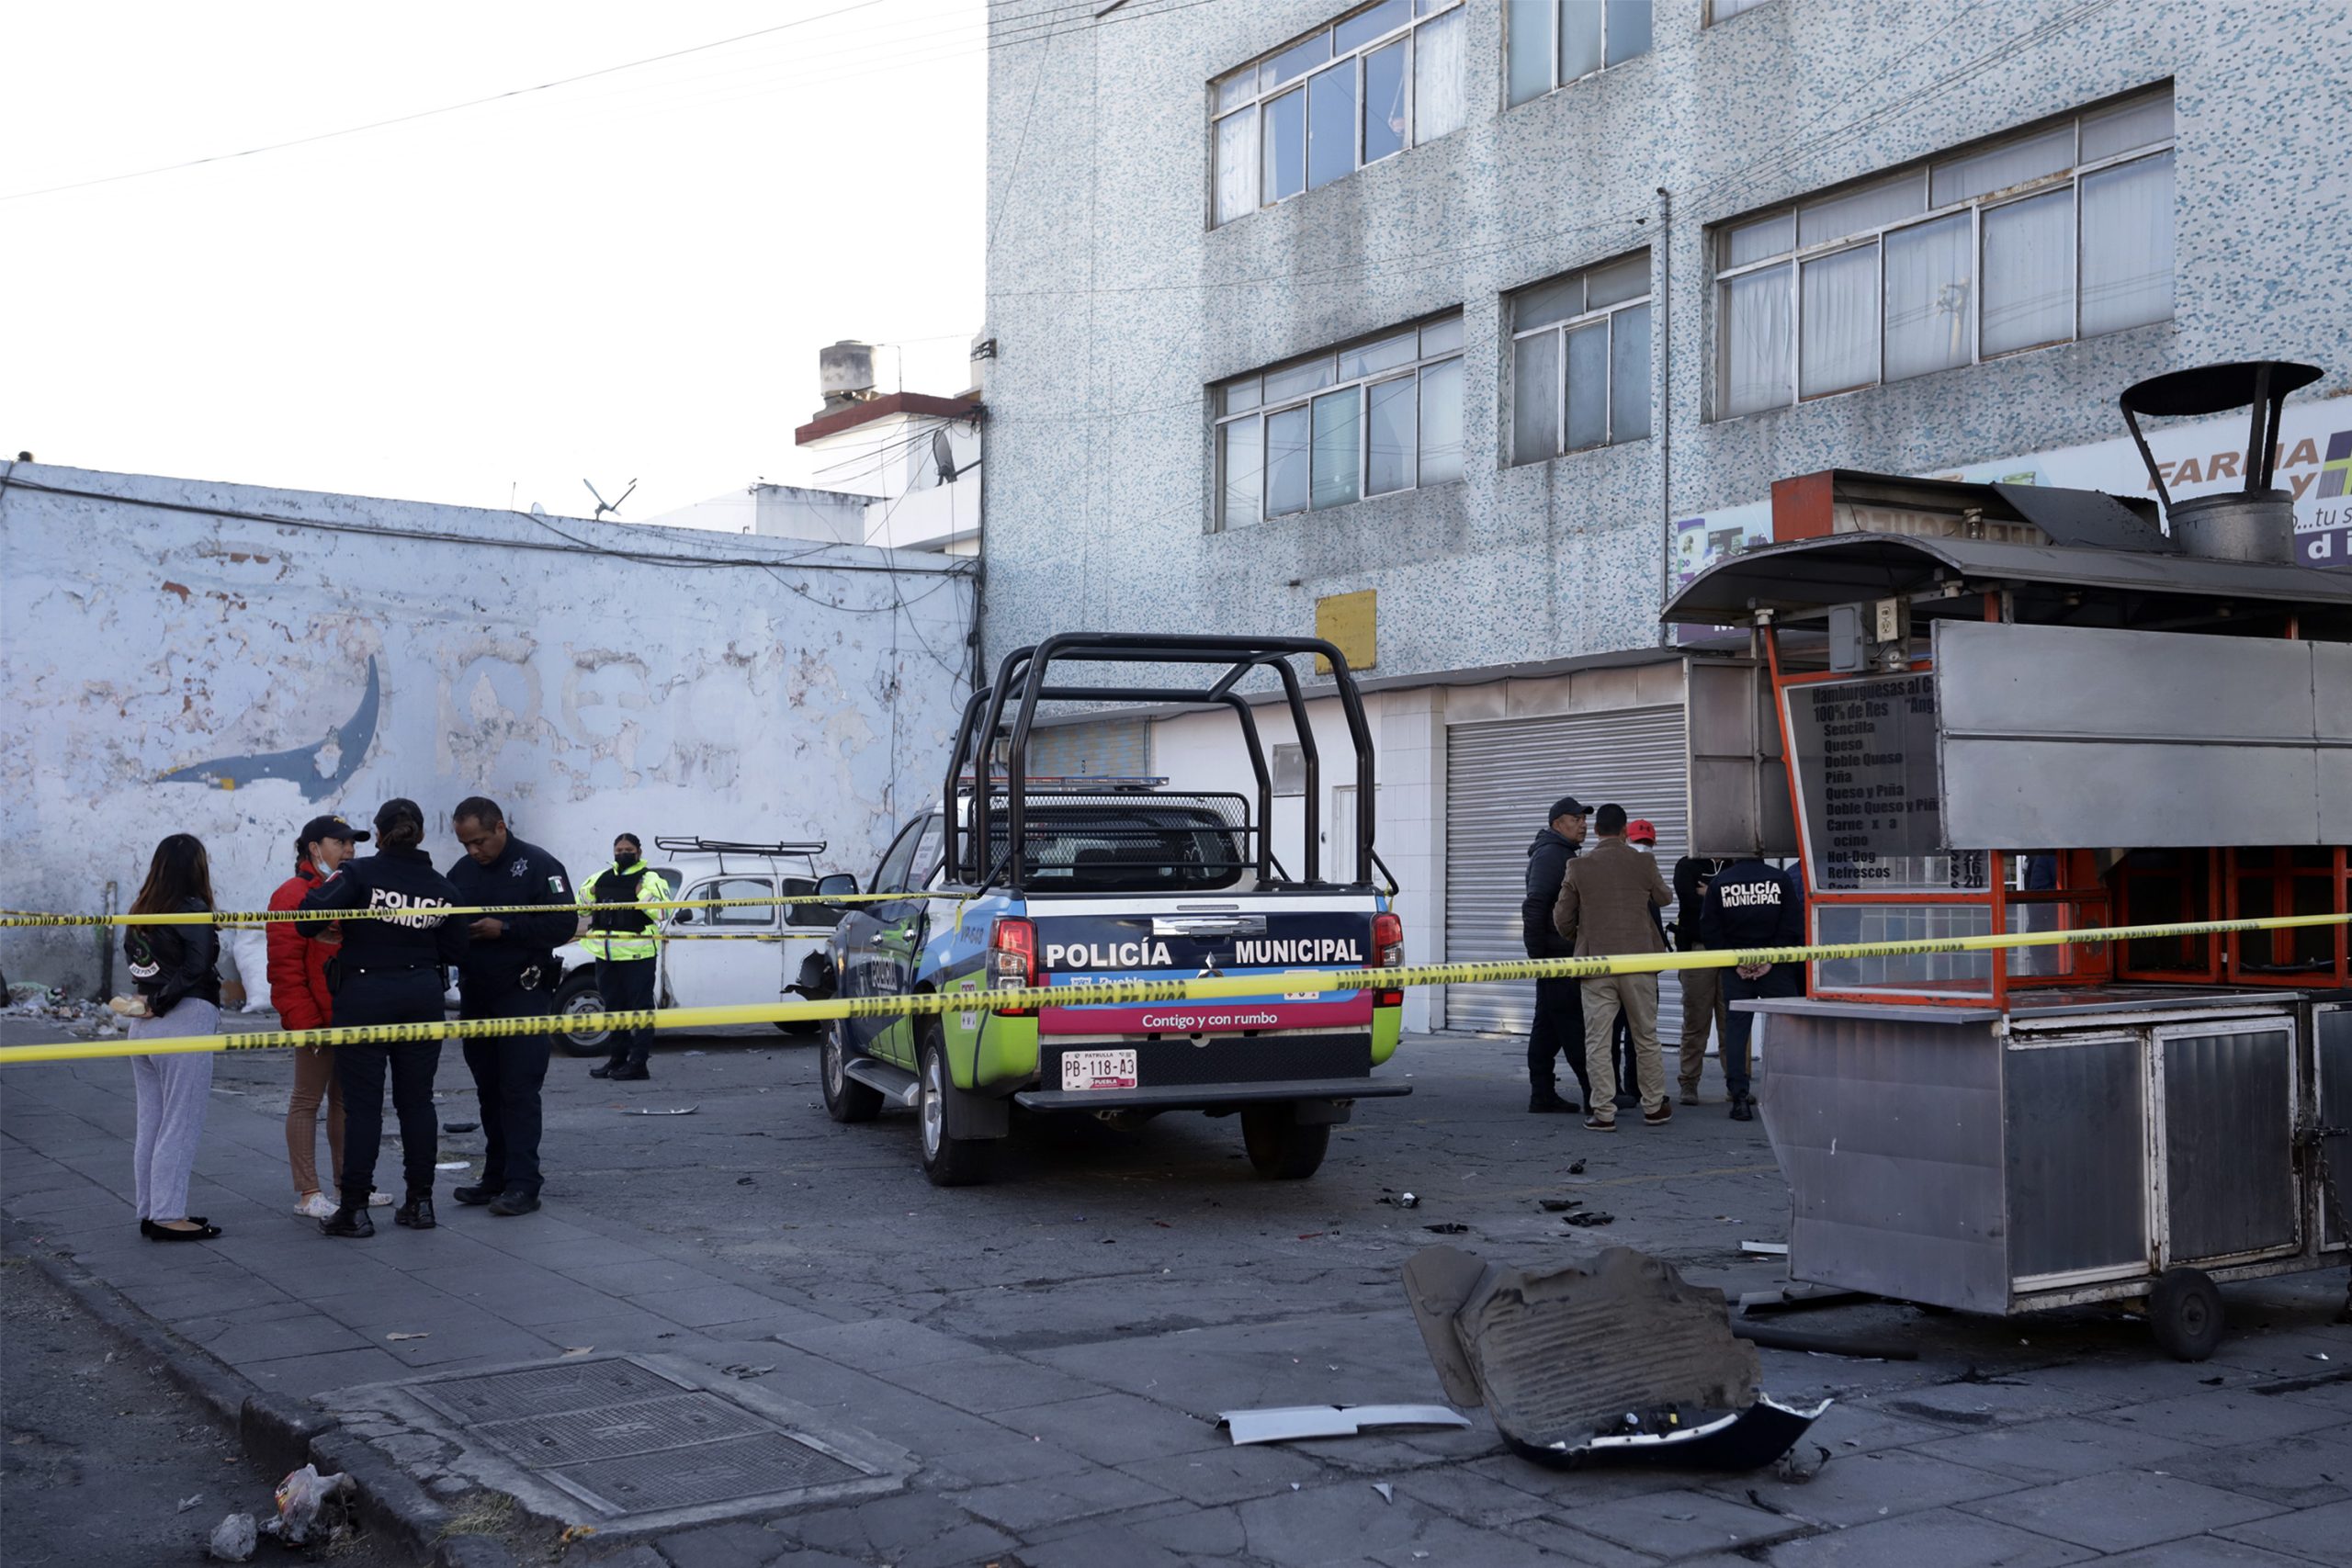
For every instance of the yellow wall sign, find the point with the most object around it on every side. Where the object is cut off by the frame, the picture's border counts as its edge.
(1347, 622)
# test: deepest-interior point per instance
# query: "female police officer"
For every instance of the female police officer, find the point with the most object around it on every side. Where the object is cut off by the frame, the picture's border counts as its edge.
(391, 973)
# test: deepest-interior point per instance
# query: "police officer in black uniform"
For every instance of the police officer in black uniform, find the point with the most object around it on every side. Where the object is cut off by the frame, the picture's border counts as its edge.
(509, 971)
(1750, 904)
(389, 969)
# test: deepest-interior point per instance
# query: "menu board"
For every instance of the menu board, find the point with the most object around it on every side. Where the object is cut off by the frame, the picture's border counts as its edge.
(1865, 754)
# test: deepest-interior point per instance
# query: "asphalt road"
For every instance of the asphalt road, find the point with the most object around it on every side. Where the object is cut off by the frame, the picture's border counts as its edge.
(101, 1450)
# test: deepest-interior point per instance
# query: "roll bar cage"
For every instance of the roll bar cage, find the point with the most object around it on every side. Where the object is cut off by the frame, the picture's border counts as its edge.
(1023, 681)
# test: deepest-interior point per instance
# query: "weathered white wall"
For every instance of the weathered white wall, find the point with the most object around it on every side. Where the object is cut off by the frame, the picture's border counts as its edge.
(169, 666)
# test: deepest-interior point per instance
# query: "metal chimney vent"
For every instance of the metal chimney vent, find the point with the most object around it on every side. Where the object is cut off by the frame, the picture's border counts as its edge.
(2257, 524)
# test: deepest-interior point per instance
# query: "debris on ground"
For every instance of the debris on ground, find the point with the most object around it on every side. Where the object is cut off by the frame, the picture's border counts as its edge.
(1448, 1227)
(311, 1506)
(233, 1539)
(1765, 1249)
(650, 1111)
(1679, 1390)
(1284, 1423)
(1577, 1169)
(31, 999)
(1588, 1217)
(1387, 1492)
(1558, 1205)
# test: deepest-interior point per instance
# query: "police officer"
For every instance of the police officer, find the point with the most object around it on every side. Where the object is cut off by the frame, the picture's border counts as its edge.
(509, 971)
(390, 970)
(1559, 1003)
(623, 942)
(1751, 905)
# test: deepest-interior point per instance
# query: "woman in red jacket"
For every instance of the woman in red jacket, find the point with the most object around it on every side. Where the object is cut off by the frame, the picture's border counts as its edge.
(298, 990)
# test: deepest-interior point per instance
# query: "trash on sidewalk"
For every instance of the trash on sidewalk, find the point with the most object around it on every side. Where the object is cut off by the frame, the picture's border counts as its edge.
(187, 1503)
(454, 1165)
(1765, 1249)
(650, 1111)
(1387, 1492)
(1404, 1201)
(1448, 1227)
(397, 1338)
(1589, 1217)
(1281, 1424)
(233, 1539)
(309, 1505)
(1677, 1387)
(1577, 1169)
(1558, 1205)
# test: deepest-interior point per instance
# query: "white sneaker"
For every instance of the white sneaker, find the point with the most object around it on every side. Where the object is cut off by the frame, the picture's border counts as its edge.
(317, 1206)
(379, 1200)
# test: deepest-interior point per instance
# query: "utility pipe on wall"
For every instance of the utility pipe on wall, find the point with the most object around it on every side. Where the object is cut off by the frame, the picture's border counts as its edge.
(1662, 313)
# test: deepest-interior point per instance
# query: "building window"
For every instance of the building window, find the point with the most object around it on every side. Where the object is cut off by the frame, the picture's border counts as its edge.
(1376, 82)
(1725, 10)
(1373, 417)
(1552, 43)
(2061, 232)
(1580, 360)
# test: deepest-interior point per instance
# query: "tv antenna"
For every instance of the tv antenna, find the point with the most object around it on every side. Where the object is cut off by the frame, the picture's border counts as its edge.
(603, 505)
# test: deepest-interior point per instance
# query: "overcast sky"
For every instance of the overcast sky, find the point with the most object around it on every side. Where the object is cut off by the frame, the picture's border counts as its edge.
(628, 278)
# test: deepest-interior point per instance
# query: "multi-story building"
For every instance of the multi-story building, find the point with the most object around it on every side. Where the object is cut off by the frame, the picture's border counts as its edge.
(1464, 327)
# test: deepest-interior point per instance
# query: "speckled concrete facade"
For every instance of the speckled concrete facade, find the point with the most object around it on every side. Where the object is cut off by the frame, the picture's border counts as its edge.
(1114, 306)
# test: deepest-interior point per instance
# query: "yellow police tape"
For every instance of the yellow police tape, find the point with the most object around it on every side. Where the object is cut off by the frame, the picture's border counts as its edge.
(1130, 992)
(267, 917)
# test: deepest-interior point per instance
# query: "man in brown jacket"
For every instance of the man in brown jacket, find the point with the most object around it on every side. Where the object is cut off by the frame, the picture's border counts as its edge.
(1605, 910)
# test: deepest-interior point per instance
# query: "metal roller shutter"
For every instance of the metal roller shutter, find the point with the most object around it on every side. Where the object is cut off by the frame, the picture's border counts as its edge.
(1499, 778)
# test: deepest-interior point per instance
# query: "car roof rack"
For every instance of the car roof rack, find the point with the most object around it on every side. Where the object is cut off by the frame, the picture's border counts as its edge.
(676, 845)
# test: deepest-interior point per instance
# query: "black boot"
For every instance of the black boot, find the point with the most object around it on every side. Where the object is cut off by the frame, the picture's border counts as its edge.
(416, 1213)
(348, 1222)
(482, 1193)
(1546, 1099)
(608, 1070)
(634, 1072)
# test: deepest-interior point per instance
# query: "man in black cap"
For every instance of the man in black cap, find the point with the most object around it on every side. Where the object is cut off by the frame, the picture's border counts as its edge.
(509, 971)
(389, 971)
(1559, 1003)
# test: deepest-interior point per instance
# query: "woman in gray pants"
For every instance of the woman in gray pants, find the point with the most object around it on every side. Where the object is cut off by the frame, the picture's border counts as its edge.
(173, 969)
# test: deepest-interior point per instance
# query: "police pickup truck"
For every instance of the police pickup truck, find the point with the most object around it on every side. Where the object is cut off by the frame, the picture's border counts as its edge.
(1014, 882)
(746, 953)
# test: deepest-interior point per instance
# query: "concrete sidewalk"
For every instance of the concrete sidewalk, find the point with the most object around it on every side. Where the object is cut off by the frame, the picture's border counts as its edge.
(1060, 1409)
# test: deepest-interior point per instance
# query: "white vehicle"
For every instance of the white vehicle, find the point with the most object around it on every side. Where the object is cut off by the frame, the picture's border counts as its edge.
(746, 954)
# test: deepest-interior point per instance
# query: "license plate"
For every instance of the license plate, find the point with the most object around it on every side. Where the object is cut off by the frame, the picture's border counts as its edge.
(1098, 1069)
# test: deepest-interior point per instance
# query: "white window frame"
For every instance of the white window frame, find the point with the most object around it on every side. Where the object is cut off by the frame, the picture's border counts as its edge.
(1560, 447)
(1744, 7)
(1414, 368)
(1552, 50)
(1419, 13)
(1793, 260)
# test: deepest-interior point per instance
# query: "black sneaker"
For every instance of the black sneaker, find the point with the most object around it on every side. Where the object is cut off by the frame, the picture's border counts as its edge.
(350, 1223)
(629, 1075)
(481, 1194)
(514, 1200)
(1547, 1100)
(416, 1214)
(1743, 1110)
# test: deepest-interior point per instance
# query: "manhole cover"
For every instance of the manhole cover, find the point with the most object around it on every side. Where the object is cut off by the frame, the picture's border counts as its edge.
(639, 1444)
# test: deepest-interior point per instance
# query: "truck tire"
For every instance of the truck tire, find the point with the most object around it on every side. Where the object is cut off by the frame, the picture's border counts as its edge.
(846, 1099)
(947, 1160)
(2185, 1311)
(1280, 1148)
(577, 994)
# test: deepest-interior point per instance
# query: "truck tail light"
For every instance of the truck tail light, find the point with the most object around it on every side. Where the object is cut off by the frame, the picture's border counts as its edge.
(1387, 952)
(1012, 960)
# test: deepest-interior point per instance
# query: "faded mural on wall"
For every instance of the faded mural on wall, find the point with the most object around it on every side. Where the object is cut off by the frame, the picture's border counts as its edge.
(228, 676)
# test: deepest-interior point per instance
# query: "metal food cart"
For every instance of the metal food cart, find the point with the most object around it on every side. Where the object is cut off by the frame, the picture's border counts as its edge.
(2015, 708)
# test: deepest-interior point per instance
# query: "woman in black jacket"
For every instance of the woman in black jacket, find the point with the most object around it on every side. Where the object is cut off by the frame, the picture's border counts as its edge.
(173, 967)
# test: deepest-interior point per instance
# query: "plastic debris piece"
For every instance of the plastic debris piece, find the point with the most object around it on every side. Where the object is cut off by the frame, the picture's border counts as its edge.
(1284, 1423)
(1448, 1227)
(454, 1165)
(1765, 1249)
(399, 1337)
(309, 1504)
(1387, 1492)
(650, 1111)
(1588, 1217)
(187, 1503)
(1558, 1205)
(233, 1539)
(1577, 1169)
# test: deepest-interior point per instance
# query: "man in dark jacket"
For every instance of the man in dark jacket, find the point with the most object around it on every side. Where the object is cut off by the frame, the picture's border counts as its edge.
(509, 971)
(1559, 1003)
(1703, 989)
(1750, 904)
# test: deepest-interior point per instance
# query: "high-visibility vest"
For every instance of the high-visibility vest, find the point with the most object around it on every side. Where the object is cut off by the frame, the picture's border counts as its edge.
(620, 935)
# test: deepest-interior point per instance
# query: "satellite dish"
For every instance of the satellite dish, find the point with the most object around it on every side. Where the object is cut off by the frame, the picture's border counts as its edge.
(537, 511)
(943, 455)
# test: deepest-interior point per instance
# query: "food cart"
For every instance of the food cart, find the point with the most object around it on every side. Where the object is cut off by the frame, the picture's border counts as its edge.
(2017, 708)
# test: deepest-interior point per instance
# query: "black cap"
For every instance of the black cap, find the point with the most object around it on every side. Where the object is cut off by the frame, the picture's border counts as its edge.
(399, 809)
(1611, 821)
(331, 826)
(1569, 805)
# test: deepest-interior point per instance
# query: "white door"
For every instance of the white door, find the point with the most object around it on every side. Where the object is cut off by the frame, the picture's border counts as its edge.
(714, 958)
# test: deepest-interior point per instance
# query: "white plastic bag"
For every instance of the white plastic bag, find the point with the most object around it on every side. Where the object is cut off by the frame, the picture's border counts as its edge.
(302, 1498)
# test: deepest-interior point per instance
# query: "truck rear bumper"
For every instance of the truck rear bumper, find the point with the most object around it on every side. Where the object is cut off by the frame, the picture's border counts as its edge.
(1203, 1096)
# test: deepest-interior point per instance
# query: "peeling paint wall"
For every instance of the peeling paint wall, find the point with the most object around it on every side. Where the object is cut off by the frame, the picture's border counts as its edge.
(172, 667)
